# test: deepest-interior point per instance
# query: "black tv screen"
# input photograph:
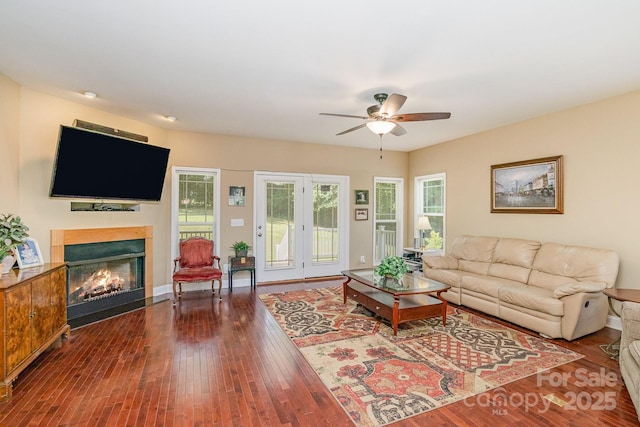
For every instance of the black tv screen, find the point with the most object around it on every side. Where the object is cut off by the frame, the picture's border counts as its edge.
(98, 166)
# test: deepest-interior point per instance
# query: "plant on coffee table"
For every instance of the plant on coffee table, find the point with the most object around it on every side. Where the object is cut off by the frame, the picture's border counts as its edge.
(392, 266)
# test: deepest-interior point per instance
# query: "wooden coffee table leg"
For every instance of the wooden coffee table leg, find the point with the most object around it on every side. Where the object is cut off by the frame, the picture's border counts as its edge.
(344, 290)
(396, 314)
(444, 308)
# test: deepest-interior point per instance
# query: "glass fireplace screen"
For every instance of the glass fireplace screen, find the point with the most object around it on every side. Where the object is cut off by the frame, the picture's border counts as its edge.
(90, 280)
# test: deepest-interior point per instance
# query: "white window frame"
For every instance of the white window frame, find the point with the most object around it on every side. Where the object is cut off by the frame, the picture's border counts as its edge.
(176, 171)
(419, 203)
(399, 182)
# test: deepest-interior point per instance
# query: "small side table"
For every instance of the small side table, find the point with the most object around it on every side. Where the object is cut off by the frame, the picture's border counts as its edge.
(613, 348)
(245, 263)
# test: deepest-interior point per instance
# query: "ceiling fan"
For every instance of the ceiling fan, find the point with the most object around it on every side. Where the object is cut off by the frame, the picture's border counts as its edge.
(383, 118)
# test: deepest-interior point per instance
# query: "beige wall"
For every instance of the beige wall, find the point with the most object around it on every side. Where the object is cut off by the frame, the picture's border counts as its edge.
(601, 150)
(9, 141)
(40, 119)
(598, 141)
(34, 124)
(238, 158)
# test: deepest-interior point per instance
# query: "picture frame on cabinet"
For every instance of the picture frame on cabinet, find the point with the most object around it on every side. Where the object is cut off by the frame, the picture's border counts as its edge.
(28, 254)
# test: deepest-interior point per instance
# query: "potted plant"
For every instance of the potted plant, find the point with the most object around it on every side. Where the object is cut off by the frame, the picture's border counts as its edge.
(392, 267)
(241, 248)
(12, 233)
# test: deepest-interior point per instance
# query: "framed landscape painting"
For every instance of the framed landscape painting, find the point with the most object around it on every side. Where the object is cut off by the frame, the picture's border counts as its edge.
(528, 186)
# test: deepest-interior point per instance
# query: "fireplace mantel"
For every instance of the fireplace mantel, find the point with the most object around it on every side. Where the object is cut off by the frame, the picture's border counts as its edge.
(61, 238)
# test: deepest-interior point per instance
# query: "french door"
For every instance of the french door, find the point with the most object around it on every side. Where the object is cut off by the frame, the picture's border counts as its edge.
(302, 225)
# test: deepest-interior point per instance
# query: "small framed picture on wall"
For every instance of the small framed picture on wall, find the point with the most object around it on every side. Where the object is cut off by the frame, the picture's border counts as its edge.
(236, 196)
(362, 214)
(362, 197)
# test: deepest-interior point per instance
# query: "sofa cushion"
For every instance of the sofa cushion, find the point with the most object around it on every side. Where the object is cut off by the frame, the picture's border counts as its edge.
(448, 277)
(538, 299)
(512, 259)
(511, 272)
(485, 284)
(441, 262)
(476, 267)
(474, 248)
(575, 262)
(474, 253)
(518, 252)
(540, 279)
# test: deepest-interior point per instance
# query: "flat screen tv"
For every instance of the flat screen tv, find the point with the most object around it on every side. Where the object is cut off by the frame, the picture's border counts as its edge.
(98, 166)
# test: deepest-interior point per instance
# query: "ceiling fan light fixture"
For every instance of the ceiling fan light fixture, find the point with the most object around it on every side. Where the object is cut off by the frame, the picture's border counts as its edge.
(381, 127)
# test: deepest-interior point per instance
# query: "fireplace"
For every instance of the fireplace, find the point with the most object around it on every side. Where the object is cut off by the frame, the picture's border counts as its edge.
(103, 275)
(107, 270)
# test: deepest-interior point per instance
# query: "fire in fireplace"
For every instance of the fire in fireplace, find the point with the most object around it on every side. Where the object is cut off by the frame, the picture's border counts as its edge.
(89, 283)
(103, 276)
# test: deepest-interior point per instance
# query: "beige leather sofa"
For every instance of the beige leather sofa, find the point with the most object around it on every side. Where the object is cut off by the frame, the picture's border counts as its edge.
(630, 351)
(553, 289)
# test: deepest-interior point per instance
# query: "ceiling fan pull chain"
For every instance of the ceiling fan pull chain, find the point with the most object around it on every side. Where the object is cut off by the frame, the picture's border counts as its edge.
(380, 146)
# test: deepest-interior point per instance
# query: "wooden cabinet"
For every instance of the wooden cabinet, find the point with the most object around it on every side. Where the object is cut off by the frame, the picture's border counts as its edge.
(33, 316)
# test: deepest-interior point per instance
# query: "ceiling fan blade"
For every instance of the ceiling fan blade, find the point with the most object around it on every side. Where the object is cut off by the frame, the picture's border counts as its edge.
(392, 104)
(418, 117)
(398, 130)
(343, 115)
(352, 129)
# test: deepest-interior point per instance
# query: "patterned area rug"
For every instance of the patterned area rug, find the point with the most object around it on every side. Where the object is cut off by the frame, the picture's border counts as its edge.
(379, 378)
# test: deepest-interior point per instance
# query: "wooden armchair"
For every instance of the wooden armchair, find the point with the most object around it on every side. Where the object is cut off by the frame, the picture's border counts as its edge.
(196, 263)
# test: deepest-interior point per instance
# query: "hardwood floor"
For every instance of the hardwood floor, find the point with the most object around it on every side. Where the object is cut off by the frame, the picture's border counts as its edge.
(205, 362)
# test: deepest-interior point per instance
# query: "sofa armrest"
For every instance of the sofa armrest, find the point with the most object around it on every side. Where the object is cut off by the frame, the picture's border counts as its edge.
(630, 317)
(577, 287)
(446, 262)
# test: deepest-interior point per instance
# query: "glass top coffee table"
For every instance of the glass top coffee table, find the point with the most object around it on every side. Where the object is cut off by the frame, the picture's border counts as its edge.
(413, 298)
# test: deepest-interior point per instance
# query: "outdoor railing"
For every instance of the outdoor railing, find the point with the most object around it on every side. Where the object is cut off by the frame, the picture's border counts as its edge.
(207, 234)
(325, 245)
(385, 244)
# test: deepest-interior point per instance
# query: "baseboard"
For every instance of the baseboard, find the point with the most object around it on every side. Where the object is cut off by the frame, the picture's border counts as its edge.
(614, 322)
(203, 286)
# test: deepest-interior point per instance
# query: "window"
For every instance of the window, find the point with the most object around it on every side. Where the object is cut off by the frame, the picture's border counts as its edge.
(196, 204)
(388, 213)
(430, 203)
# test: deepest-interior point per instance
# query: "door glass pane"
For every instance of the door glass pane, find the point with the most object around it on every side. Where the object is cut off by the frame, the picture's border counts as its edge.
(280, 224)
(196, 205)
(386, 221)
(325, 223)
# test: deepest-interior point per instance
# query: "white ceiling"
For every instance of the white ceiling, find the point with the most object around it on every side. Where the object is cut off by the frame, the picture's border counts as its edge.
(265, 69)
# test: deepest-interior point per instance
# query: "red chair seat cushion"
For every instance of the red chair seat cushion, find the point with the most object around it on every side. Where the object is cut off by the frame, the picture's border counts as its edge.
(197, 274)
